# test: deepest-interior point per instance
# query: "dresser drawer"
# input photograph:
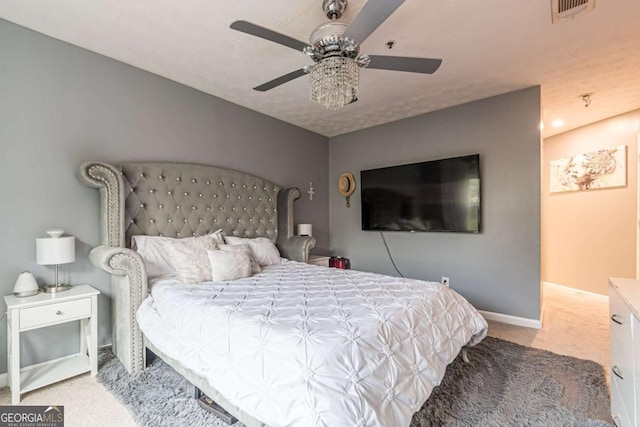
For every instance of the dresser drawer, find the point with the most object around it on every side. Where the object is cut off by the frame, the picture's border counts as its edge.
(619, 319)
(624, 301)
(51, 314)
(618, 410)
(622, 375)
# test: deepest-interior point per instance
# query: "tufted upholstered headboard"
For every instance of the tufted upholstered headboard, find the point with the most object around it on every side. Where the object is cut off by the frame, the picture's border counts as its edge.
(193, 200)
(181, 200)
(178, 200)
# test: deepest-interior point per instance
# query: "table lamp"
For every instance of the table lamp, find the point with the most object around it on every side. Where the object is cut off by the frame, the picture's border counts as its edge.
(305, 230)
(55, 250)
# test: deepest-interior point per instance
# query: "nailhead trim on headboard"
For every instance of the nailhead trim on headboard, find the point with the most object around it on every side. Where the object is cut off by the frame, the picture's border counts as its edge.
(177, 200)
(123, 262)
(111, 190)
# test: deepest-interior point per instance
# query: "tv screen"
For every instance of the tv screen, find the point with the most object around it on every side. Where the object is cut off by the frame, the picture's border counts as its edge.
(440, 195)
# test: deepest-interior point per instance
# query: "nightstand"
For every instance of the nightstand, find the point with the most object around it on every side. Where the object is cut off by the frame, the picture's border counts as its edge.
(319, 260)
(42, 310)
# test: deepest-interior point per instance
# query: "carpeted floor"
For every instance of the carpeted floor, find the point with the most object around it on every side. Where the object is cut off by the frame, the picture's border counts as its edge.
(505, 384)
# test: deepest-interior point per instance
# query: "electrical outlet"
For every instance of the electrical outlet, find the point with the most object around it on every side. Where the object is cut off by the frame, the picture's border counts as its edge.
(445, 281)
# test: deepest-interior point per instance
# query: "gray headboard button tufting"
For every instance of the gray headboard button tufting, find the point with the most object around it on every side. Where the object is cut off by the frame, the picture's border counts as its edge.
(178, 200)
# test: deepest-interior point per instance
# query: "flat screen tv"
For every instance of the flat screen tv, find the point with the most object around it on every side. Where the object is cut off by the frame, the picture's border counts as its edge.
(440, 195)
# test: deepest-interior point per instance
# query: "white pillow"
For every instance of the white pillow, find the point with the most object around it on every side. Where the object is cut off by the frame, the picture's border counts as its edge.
(262, 249)
(188, 257)
(243, 247)
(156, 259)
(229, 265)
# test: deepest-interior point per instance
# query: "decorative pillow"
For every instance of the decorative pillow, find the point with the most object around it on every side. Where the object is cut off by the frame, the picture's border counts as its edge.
(189, 258)
(229, 265)
(243, 247)
(262, 249)
(156, 259)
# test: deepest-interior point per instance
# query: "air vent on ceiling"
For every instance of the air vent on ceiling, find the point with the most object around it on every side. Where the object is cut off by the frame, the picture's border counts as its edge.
(568, 9)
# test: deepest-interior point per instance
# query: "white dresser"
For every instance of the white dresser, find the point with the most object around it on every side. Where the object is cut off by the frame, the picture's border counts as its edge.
(624, 311)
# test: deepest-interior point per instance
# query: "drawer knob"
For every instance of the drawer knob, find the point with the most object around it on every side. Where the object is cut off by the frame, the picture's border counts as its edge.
(616, 371)
(616, 319)
(59, 313)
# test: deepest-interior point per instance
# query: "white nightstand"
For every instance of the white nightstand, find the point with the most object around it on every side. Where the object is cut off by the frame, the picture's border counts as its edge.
(319, 260)
(39, 311)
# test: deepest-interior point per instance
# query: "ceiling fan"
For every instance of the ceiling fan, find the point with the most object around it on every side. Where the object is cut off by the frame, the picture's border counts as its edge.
(334, 48)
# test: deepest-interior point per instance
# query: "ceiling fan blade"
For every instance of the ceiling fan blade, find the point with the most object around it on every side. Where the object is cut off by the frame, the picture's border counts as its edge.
(372, 14)
(405, 63)
(280, 80)
(267, 34)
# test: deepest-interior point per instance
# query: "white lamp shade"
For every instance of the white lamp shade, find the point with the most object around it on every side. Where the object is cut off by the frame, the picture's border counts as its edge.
(305, 230)
(55, 250)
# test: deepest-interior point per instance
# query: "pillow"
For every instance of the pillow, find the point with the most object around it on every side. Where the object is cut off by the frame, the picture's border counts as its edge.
(156, 259)
(189, 258)
(229, 265)
(262, 249)
(243, 247)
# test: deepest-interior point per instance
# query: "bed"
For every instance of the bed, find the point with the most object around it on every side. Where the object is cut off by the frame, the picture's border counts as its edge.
(295, 344)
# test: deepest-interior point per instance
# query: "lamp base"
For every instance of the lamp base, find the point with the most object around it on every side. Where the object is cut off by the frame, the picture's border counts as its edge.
(53, 289)
(26, 293)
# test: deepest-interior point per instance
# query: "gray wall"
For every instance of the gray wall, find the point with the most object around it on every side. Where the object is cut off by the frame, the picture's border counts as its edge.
(61, 105)
(497, 270)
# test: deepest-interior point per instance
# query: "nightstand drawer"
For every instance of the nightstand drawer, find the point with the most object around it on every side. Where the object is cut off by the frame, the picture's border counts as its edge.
(54, 313)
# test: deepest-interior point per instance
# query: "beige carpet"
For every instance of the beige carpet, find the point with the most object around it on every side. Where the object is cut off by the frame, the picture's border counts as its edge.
(574, 323)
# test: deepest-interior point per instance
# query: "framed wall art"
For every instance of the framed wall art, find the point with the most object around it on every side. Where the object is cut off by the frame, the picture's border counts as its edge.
(604, 168)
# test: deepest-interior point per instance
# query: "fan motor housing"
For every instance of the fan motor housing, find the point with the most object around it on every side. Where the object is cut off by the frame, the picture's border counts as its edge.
(327, 40)
(334, 8)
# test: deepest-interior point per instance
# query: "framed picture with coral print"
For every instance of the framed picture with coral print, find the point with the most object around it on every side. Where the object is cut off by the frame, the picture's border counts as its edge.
(604, 168)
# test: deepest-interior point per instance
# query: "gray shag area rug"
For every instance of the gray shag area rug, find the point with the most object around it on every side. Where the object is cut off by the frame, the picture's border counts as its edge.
(505, 384)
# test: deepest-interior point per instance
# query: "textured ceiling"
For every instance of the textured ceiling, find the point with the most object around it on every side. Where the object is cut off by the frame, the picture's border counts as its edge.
(488, 47)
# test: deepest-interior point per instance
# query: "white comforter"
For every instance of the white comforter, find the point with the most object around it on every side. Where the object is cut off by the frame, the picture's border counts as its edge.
(303, 345)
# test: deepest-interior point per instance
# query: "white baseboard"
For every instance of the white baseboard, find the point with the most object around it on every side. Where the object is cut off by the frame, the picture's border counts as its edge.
(512, 320)
(576, 290)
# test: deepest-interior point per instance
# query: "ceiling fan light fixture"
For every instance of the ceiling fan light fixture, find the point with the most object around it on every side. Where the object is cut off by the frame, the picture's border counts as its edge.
(333, 82)
(334, 47)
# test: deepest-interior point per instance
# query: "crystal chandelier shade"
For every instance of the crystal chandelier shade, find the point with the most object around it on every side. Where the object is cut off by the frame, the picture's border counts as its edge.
(333, 82)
